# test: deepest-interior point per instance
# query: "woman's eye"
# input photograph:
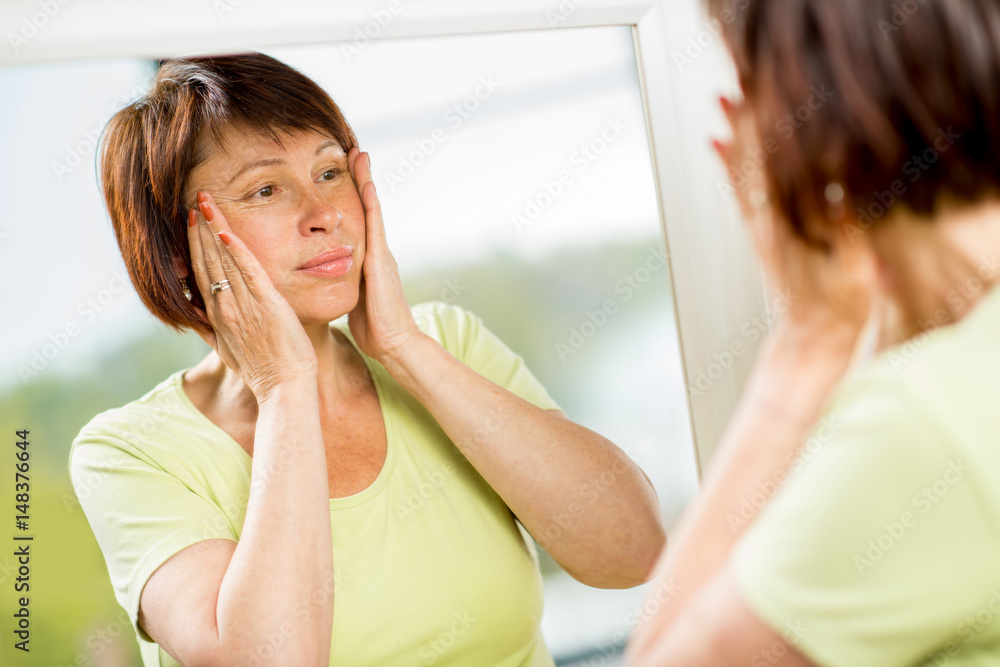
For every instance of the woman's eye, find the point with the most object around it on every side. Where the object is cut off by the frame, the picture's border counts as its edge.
(330, 174)
(266, 191)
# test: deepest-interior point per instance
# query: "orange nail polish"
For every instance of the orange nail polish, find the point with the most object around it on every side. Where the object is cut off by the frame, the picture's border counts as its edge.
(192, 217)
(201, 197)
(206, 210)
(225, 238)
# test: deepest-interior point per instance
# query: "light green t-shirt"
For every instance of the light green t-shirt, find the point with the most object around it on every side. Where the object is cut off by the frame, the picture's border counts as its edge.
(430, 565)
(882, 548)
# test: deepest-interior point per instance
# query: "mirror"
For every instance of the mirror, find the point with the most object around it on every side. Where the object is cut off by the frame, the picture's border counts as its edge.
(516, 181)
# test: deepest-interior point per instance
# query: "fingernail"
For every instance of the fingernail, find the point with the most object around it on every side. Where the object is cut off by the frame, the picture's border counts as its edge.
(192, 217)
(206, 210)
(201, 197)
(225, 238)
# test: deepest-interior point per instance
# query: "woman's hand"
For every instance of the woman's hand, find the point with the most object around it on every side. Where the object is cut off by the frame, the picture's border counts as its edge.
(256, 332)
(381, 323)
(831, 287)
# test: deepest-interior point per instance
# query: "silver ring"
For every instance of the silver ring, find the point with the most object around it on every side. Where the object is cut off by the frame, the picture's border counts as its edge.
(219, 286)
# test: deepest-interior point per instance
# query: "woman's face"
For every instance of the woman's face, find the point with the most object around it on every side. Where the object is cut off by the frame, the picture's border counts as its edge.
(289, 202)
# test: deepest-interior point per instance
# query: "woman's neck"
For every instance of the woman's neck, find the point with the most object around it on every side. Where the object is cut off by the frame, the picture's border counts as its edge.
(942, 268)
(341, 373)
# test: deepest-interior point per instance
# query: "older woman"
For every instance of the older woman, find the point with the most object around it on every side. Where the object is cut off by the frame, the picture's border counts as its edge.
(879, 545)
(312, 494)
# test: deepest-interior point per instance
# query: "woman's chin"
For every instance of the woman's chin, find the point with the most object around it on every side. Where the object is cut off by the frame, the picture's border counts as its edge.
(329, 309)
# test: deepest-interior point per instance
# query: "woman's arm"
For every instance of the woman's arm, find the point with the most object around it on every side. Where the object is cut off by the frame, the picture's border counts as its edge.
(579, 495)
(273, 604)
(783, 397)
(704, 621)
(285, 554)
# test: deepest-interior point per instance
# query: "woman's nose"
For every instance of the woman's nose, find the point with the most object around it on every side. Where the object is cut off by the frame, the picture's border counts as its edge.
(319, 213)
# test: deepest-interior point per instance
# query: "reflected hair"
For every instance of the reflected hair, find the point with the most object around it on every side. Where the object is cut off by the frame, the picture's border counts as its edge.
(896, 101)
(150, 147)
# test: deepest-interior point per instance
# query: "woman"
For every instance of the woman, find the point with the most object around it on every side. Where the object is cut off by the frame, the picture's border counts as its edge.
(313, 494)
(878, 544)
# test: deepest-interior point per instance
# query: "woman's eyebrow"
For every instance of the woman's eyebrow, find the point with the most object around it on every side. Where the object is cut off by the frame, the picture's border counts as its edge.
(267, 162)
(326, 144)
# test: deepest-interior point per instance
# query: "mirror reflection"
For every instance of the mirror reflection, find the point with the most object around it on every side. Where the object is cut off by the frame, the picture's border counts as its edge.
(514, 184)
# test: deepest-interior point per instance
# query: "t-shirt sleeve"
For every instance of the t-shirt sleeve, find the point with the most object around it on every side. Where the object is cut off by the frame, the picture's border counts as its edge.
(465, 336)
(140, 514)
(877, 545)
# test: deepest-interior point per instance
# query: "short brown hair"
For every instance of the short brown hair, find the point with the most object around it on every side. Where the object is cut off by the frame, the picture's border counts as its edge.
(150, 147)
(911, 109)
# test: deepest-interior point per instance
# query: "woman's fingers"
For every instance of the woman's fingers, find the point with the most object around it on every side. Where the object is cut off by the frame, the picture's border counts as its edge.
(197, 244)
(219, 262)
(352, 156)
(373, 208)
(213, 271)
(242, 268)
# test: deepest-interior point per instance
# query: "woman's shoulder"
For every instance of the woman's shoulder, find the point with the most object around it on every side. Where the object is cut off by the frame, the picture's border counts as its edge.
(130, 424)
(449, 324)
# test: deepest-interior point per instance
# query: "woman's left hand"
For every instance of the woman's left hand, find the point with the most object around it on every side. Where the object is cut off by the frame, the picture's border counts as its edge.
(382, 322)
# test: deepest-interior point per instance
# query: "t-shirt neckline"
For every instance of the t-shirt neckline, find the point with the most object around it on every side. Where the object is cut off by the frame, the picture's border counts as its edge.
(384, 398)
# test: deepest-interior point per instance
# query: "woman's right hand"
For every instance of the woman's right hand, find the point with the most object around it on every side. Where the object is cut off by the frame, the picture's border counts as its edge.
(831, 288)
(256, 332)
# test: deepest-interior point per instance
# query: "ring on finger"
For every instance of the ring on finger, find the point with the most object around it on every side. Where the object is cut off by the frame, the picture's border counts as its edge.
(219, 286)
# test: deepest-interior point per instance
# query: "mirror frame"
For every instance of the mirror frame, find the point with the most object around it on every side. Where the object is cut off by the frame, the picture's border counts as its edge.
(715, 277)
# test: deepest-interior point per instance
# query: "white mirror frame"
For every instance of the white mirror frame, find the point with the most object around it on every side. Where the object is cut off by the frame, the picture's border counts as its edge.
(715, 276)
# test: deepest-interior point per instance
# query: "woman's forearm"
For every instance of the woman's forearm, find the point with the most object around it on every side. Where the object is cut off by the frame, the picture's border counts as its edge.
(783, 398)
(580, 496)
(278, 588)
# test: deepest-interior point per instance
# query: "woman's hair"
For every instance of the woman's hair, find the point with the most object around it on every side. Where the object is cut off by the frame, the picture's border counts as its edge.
(150, 147)
(897, 101)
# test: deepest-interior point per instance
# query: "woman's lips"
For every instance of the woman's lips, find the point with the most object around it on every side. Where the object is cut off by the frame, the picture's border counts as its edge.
(333, 268)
